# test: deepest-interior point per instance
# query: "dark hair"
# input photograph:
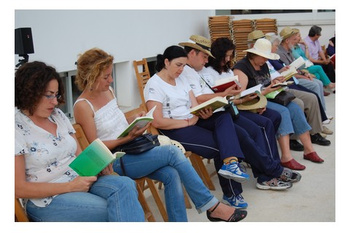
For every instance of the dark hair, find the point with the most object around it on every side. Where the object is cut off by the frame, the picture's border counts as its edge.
(315, 30)
(170, 53)
(219, 48)
(31, 81)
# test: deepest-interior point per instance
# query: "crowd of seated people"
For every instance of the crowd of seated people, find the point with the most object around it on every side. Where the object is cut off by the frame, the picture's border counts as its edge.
(186, 72)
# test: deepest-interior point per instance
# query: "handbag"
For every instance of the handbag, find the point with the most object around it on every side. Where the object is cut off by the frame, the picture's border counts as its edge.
(283, 98)
(232, 109)
(139, 145)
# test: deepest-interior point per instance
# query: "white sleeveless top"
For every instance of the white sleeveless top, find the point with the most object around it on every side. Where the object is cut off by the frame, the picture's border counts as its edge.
(110, 121)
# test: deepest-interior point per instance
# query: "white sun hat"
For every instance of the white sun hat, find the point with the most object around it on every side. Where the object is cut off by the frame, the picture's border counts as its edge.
(262, 47)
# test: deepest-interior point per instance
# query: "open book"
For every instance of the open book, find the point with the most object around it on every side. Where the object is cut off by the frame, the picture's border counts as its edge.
(256, 89)
(214, 103)
(298, 63)
(284, 84)
(224, 83)
(94, 159)
(139, 122)
(287, 74)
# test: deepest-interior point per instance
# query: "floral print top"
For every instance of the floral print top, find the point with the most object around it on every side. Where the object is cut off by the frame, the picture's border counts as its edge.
(47, 156)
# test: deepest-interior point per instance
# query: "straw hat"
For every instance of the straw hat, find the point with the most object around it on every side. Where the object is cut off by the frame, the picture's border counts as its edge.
(262, 47)
(254, 104)
(200, 43)
(254, 35)
(287, 32)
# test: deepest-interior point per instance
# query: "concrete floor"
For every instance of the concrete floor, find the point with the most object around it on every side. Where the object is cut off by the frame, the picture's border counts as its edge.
(310, 200)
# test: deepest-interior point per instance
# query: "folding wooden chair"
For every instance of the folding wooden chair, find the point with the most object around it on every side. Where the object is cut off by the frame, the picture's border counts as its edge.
(141, 187)
(20, 214)
(143, 75)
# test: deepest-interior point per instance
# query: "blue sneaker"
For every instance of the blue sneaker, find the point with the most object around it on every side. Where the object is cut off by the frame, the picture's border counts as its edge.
(236, 201)
(233, 171)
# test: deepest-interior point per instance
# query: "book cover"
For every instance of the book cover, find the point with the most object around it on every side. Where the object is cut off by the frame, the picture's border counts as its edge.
(224, 83)
(214, 103)
(93, 159)
(139, 122)
(252, 90)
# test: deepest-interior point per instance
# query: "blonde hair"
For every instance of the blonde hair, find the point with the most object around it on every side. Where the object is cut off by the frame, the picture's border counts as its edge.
(89, 67)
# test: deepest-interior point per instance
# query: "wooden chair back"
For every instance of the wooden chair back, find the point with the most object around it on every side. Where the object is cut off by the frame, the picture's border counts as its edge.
(80, 135)
(20, 214)
(142, 75)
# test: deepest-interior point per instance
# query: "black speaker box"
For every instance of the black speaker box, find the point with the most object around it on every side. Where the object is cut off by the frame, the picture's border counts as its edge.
(23, 41)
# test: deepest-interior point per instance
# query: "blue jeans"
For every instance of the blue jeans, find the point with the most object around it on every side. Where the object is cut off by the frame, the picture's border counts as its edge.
(111, 198)
(170, 166)
(293, 119)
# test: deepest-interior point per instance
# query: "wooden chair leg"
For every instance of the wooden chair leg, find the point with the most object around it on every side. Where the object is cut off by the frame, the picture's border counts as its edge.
(148, 213)
(198, 165)
(157, 199)
(20, 215)
(187, 200)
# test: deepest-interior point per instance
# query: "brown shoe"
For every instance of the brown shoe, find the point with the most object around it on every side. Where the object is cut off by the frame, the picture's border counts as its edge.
(293, 164)
(313, 157)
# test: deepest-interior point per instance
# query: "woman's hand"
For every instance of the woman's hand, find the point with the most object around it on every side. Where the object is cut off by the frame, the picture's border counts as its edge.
(107, 170)
(233, 90)
(206, 113)
(82, 183)
(261, 110)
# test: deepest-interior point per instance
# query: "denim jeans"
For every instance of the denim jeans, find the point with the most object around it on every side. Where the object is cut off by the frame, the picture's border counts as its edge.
(111, 198)
(169, 165)
(316, 86)
(293, 119)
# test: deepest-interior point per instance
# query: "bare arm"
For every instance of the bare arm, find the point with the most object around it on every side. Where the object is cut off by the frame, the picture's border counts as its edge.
(25, 189)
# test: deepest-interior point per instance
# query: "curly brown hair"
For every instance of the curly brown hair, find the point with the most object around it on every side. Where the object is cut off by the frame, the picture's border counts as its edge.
(31, 81)
(89, 67)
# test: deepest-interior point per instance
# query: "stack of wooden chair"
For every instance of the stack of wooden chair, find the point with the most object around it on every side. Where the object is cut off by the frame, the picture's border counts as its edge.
(266, 25)
(240, 31)
(219, 26)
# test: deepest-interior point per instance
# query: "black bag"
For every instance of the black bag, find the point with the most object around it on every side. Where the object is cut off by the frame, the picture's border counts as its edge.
(283, 98)
(232, 108)
(140, 144)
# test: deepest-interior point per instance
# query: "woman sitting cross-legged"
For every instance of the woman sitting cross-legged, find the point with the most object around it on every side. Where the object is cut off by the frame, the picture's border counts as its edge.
(98, 113)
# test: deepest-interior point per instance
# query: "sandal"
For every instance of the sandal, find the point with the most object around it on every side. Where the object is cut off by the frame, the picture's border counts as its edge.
(238, 215)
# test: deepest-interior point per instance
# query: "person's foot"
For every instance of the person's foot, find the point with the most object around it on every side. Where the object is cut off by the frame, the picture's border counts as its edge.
(236, 201)
(293, 164)
(289, 175)
(325, 130)
(313, 157)
(295, 145)
(233, 170)
(221, 212)
(274, 184)
(318, 139)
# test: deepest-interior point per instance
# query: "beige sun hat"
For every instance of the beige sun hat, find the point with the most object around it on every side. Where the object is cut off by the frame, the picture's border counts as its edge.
(287, 32)
(253, 105)
(262, 47)
(254, 35)
(198, 42)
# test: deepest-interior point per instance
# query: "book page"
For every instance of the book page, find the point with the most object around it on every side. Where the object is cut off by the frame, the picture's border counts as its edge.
(255, 89)
(214, 103)
(139, 122)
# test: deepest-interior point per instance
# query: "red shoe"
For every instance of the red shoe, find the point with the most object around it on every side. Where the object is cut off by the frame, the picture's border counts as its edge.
(293, 164)
(313, 157)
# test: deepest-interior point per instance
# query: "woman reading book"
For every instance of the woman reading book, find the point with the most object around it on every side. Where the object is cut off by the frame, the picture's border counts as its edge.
(97, 111)
(261, 125)
(252, 70)
(45, 145)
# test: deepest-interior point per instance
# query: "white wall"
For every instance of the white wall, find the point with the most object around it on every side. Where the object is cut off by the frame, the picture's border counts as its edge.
(60, 35)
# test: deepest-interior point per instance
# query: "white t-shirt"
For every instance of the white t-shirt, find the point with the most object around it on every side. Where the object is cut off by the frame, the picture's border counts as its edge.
(46, 156)
(194, 79)
(175, 99)
(210, 76)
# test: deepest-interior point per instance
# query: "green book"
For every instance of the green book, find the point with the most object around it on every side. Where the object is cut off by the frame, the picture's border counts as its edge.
(93, 159)
(139, 122)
